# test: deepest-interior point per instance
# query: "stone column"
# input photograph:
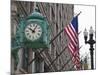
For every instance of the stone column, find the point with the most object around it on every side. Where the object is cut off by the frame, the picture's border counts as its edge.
(20, 62)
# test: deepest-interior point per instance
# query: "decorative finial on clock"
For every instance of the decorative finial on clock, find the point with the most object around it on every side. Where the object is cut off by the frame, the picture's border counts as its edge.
(36, 7)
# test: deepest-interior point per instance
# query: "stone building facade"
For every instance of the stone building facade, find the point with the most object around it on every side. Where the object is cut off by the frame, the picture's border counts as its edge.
(57, 57)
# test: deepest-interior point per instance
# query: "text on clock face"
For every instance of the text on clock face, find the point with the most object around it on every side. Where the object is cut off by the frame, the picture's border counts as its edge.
(33, 31)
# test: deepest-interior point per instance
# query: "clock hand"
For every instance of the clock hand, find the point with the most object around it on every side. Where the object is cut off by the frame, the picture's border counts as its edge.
(35, 28)
(30, 29)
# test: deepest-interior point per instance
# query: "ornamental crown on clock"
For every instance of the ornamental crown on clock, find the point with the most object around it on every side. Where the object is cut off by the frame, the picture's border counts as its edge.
(33, 31)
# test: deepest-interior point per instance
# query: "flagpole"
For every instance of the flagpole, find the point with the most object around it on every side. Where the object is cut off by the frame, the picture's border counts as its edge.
(79, 13)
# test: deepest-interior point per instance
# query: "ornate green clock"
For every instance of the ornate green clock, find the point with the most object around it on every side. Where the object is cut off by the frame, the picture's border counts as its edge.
(33, 31)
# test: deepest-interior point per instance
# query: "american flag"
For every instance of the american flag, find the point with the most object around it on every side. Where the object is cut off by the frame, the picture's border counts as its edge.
(73, 45)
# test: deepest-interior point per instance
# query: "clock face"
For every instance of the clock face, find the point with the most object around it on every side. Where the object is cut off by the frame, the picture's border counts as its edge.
(33, 31)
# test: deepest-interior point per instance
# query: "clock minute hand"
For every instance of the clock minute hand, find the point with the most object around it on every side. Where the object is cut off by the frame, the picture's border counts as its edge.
(35, 28)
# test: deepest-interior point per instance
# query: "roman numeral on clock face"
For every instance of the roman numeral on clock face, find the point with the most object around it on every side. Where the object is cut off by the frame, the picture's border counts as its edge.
(30, 36)
(38, 33)
(27, 33)
(33, 37)
(39, 30)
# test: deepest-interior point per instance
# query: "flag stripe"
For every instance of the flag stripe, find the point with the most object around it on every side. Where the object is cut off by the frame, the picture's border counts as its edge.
(72, 33)
(71, 26)
(72, 47)
(71, 38)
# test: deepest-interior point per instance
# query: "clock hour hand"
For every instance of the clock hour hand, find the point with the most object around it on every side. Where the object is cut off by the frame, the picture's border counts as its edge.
(30, 29)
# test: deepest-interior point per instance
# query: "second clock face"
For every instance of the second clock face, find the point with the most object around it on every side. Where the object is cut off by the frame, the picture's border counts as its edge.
(33, 31)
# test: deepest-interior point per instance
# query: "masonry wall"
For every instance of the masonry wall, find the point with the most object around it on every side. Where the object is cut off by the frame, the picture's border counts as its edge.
(58, 57)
